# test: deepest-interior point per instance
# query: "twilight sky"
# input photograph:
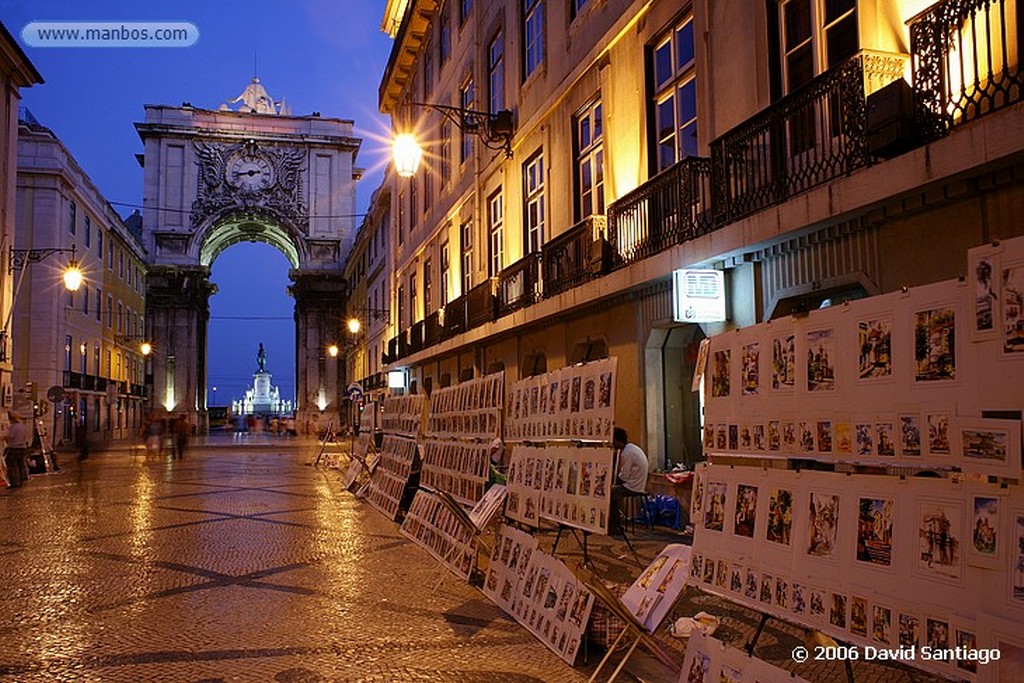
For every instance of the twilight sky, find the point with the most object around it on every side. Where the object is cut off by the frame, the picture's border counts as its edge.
(321, 55)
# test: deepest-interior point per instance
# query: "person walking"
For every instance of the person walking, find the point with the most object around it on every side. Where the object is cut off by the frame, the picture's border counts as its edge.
(181, 434)
(19, 440)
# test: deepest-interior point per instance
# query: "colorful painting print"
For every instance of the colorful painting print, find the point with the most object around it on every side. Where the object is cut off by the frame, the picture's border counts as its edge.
(966, 641)
(837, 611)
(817, 603)
(885, 432)
(774, 435)
(938, 434)
(1017, 588)
(789, 436)
(823, 524)
(984, 535)
(939, 540)
(989, 445)
(910, 436)
(746, 443)
(766, 589)
(781, 593)
(780, 517)
(875, 337)
(746, 510)
(844, 437)
(700, 667)
(714, 510)
(821, 360)
(824, 436)
(806, 437)
(783, 363)
(751, 368)
(720, 373)
(859, 616)
(758, 435)
(1013, 309)
(910, 630)
(736, 579)
(799, 599)
(865, 441)
(751, 584)
(935, 345)
(936, 633)
(881, 624)
(874, 531)
(985, 298)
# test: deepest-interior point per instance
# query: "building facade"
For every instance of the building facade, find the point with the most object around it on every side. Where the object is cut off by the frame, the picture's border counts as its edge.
(16, 72)
(809, 151)
(85, 343)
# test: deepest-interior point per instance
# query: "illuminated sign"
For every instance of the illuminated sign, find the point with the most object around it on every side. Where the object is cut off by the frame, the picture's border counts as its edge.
(396, 379)
(698, 296)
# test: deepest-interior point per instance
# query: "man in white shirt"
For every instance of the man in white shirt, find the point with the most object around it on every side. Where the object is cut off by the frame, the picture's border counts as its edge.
(19, 439)
(631, 477)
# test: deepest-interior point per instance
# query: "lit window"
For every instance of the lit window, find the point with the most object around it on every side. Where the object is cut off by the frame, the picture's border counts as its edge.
(589, 144)
(533, 36)
(496, 233)
(467, 256)
(675, 96)
(496, 74)
(533, 185)
(466, 99)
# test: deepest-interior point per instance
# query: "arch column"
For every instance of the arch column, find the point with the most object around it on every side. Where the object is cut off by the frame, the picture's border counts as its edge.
(320, 300)
(178, 316)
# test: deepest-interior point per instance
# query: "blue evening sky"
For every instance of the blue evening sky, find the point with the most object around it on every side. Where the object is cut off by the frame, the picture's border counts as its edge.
(320, 55)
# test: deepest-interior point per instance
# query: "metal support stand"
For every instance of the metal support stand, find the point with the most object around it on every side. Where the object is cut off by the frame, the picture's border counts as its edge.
(583, 543)
(749, 647)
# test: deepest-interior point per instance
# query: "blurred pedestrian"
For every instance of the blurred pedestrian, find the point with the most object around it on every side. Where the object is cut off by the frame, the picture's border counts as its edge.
(182, 431)
(19, 440)
(154, 436)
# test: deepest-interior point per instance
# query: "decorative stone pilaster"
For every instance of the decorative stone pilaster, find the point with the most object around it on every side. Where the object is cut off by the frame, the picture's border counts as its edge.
(320, 297)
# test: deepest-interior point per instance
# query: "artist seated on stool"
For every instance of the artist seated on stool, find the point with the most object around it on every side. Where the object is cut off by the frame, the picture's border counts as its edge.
(631, 478)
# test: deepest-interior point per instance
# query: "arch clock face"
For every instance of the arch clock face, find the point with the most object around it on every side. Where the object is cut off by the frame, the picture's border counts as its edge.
(250, 173)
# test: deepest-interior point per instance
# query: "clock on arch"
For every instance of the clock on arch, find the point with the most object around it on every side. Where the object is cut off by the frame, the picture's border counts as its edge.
(249, 173)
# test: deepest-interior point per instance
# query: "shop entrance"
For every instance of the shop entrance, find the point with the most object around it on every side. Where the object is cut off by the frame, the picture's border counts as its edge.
(674, 426)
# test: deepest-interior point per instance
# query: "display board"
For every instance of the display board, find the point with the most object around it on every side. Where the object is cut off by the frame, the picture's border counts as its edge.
(460, 468)
(367, 428)
(565, 484)
(488, 505)
(404, 415)
(573, 403)
(710, 661)
(468, 410)
(539, 591)
(398, 456)
(869, 559)
(658, 587)
(432, 525)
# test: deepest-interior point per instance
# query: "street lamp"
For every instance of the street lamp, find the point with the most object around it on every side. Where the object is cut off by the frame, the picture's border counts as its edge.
(17, 260)
(378, 314)
(332, 350)
(145, 347)
(494, 129)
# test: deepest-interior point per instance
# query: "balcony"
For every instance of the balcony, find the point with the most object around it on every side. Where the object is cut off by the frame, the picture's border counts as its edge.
(575, 256)
(519, 284)
(416, 337)
(432, 329)
(454, 317)
(966, 62)
(813, 135)
(403, 344)
(481, 304)
(670, 208)
(72, 380)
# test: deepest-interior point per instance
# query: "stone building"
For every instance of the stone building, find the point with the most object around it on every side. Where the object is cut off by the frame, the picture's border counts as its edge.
(808, 151)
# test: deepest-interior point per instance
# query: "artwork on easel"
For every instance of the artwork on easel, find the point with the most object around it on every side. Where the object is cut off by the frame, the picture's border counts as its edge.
(750, 369)
(1013, 310)
(985, 546)
(990, 446)
(821, 360)
(875, 349)
(940, 540)
(822, 524)
(720, 368)
(984, 272)
(780, 517)
(783, 362)
(658, 587)
(875, 520)
(935, 344)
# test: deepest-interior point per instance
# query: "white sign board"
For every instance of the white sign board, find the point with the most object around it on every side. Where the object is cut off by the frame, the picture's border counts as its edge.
(698, 296)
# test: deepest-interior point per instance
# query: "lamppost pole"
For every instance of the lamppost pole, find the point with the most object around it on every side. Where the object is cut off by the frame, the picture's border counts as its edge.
(18, 260)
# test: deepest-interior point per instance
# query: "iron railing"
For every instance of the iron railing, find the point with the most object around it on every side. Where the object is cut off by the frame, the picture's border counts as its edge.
(416, 337)
(432, 329)
(72, 380)
(813, 135)
(966, 57)
(481, 303)
(454, 317)
(670, 208)
(568, 259)
(519, 284)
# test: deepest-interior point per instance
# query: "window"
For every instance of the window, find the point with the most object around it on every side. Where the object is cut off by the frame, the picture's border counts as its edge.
(446, 152)
(535, 213)
(589, 144)
(88, 232)
(401, 308)
(675, 96)
(85, 299)
(96, 358)
(496, 233)
(533, 36)
(67, 352)
(576, 6)
(496, 74)
(83, 358)
(120, 264)
(413, 213)
(444, 35)
(110, 368)
(467, 256)
(444, 273)
(465, 7)
(401, 216)
(427, 303)
(110, 310)
(110, 254)
(120, 317)
(428, 72)
(466, 100)
(73, 215)
(99, 305)
(413, 310)
(428, 191)
(99, 243)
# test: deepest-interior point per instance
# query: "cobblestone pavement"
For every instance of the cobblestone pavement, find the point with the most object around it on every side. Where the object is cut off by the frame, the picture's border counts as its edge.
(246, 564)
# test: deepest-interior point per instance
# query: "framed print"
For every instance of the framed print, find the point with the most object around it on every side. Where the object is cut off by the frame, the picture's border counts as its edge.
(702, 363)
(844, 440)
(875, 521)
(746, 511)
(909, 430)
(908, 629)
(881, 625)
(822, 525)
(985, 545)
(779, 528)
(816, 604)
(783, 369)
(940, 540)
(965, 640)
(937, 435)
(885, 438)
(989, 446)
(824, 437)
(937, 637)
(1012, 328)
(821, 360)
(799, 598)
(750, 368)
(984, 272)
(714, 506)
(805, 437)
(721, 366)
(934, 332)
(859, 616)
(864, 433)
(751, 584)
(874, 359)
(838, 610)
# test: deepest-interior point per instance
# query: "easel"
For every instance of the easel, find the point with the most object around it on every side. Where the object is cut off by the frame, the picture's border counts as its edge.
(749, 647)
(583, 544)
(328, 436)
(45, 448)
(634, 630)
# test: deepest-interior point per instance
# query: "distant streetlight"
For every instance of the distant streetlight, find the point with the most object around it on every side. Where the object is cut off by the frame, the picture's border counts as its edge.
(494, 129)
(214, 395)
(333, 350)
(354, 325)
(18, 259)
(146, 348)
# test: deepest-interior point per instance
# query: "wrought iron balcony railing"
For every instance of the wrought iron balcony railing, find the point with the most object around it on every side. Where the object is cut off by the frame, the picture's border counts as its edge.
(481, 303)
(966, 57)
(670, 208)
(454, 317)
(575, 256)
(519, 284)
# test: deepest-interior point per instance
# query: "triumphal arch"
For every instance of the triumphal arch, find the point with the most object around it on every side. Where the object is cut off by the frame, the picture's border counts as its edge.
(248, 171)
